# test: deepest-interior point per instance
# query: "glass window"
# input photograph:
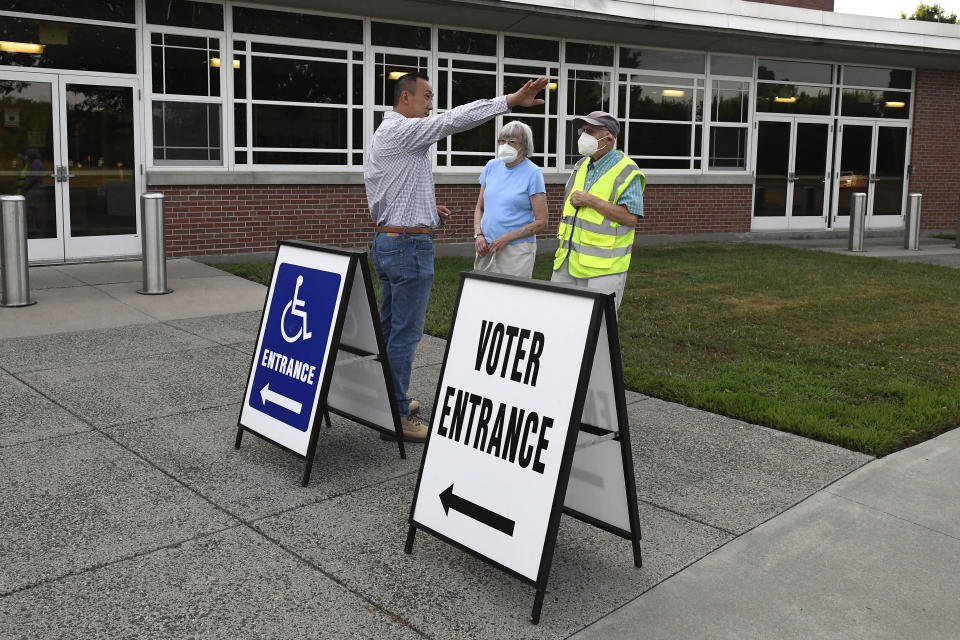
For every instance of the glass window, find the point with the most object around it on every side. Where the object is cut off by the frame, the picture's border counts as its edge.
(405, 36)
(791, 98)
(542, 119)
(587, 90)
(650, 105)
(659, 60)
(69, 45)
(186, 133)
(792, 71)
(876, 77)
(731, 66)
(296, 105)
(869, 103)
(460, 82)
(316, 127)
(115, 10)
(297, 25)
(731, 101)
(728, 148)
(583, 53)
(184, 13)
(185, 65)
(388, 68)
(531, 48)
(298, 80)
(469, 42)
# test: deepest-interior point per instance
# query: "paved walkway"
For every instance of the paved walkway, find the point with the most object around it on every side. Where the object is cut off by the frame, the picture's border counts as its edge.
(127, 512)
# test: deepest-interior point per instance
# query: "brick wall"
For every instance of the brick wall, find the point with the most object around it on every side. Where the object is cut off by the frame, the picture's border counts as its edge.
(208, 220)
(822, 5)
(935, 153)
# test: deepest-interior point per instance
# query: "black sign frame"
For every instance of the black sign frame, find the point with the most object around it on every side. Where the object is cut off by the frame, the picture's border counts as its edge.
(358, 264)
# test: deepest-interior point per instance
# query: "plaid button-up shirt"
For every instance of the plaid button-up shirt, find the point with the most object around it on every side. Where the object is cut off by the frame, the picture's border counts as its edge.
(398, 174)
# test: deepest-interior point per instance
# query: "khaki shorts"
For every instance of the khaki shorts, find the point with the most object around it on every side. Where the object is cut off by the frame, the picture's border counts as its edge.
(607, 284)
(514, 260)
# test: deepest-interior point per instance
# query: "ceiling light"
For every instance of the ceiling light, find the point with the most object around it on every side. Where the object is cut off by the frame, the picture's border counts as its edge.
(789, 100)
(21, 47)
(673, 93)
(895, 105)
(396, 75)
(236, 63)
(552, 86)
(215, 62)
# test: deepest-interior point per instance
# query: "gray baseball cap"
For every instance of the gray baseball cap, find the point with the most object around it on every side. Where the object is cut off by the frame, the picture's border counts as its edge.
(601, 119)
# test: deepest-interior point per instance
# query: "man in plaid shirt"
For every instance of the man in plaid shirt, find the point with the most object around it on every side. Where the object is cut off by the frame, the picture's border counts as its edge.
(400, 192)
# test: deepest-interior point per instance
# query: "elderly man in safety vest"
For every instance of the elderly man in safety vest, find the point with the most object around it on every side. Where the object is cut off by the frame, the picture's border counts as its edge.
(603, 199)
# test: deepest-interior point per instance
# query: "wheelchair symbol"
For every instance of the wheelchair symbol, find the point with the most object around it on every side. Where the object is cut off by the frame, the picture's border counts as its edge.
(295, 308)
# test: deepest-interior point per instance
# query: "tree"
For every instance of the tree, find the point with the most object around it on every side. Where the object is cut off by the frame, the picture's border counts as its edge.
(930, 13)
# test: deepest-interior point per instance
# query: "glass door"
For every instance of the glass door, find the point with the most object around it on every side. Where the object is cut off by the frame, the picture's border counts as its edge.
(99, 171)
(792, 161)
(29, 155)
(69, 145)
(872, 160)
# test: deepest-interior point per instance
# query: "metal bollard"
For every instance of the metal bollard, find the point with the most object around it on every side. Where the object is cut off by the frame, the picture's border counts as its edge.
(858, 212)
(154, 251)
(911, 227)
(15, 291)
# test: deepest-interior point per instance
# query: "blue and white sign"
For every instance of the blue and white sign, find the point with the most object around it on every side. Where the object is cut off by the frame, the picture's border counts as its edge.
(294, 345)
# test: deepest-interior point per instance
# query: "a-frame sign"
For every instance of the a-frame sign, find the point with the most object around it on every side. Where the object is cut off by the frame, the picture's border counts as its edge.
(530, 421)
(320, 350)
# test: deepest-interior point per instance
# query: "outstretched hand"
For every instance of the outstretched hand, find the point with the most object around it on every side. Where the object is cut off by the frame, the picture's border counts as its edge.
(526, 96)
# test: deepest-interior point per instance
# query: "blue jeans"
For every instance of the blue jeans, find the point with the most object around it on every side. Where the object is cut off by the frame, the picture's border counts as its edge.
(404, 265)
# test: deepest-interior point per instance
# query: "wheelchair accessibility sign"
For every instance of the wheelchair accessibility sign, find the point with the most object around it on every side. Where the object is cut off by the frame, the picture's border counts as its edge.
(288, 365)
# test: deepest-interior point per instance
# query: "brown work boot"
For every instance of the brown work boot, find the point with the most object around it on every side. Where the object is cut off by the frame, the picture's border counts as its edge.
(414, 407)
(413, 430)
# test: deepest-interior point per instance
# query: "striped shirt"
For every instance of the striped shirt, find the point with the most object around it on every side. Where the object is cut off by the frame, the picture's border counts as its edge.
(398, 173)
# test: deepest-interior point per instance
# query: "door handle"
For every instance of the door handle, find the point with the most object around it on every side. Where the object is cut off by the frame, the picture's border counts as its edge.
(791, 176)
(874, 178)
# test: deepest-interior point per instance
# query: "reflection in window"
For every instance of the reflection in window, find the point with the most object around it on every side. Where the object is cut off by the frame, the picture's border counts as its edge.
(186, 133)
(730, 115)
(739, 66)
(404, 36)
(288, 24)
(295, 104)
(460, 82)
(69, 45)
(662, 115)
(877, 77)
(660, 60)
(794, 71)
(185, 65)
(587, 90)
(185, 13)
(869, 103)
(791, 98)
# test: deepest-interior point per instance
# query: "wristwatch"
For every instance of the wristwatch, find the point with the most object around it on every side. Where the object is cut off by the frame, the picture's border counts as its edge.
(477, 235)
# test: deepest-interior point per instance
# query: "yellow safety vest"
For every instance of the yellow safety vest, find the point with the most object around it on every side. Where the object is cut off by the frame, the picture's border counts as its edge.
(597, 245)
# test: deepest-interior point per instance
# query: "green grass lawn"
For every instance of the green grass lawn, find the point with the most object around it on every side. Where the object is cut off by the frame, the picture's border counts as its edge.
(859, 352)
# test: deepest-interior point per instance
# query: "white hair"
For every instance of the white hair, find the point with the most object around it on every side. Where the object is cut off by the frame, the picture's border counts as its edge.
(521, 130)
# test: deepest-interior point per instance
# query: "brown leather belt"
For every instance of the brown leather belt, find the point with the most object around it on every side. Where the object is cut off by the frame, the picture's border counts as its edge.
(408, 230)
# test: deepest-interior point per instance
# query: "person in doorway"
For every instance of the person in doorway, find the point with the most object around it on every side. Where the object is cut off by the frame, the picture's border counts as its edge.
(602, 202)
(400, 193)
(512, 206)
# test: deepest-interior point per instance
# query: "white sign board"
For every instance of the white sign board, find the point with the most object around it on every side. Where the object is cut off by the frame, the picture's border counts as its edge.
(530, 401)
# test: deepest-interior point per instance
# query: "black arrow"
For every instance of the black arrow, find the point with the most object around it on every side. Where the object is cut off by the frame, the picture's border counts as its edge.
(475, 511)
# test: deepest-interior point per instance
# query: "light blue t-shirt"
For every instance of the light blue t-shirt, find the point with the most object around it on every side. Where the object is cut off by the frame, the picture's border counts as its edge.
(506, 197)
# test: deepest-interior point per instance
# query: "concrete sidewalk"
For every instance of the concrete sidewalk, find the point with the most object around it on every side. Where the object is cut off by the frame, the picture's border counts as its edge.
(127, 512)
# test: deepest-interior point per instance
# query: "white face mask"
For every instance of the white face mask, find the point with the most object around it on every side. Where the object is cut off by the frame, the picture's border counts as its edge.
(587, 144)
(507, 153)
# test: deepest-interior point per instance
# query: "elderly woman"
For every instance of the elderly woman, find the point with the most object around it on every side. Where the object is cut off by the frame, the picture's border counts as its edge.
(512, 207)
